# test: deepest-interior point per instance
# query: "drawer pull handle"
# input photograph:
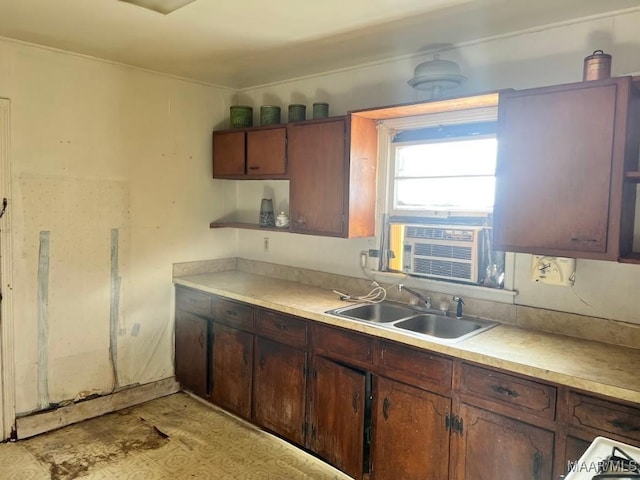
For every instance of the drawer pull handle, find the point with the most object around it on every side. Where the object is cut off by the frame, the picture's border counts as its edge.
(583, 241)
(504, 391)
(245, 357)
(282, 326)
(625, 427)
(254, 167)
(231, 313)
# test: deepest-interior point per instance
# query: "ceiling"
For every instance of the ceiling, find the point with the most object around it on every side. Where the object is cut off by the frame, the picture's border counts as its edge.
(238, 44)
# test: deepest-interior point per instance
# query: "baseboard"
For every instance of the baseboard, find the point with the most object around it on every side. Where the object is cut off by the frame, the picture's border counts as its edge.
(38, 423)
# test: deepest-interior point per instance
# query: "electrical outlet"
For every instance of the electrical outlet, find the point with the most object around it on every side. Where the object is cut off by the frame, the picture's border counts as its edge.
(265, 244)
(364, 259)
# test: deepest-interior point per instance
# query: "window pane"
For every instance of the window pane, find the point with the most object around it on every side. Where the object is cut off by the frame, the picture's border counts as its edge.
(447, 158)
(454, 193)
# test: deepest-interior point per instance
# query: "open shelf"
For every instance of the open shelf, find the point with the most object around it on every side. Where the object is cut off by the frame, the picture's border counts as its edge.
(246, 226)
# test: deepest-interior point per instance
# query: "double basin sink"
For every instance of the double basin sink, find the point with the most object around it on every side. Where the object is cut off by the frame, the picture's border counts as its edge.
(404, 318)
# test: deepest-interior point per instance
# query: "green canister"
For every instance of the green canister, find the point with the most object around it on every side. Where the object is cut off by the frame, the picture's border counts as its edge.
(241, 116)
(320, 110)
(269, 115)
(297, 112)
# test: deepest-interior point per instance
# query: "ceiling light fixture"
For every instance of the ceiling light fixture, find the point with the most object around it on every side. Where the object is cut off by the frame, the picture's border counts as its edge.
(436, 75)
(161, 6)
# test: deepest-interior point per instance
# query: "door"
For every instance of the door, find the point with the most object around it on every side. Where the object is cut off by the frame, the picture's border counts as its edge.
(192, 354)
(490, 446)
(317, 170)
(267, 152)
(228, 154)
(553, 175)
(410, 437)
(7, 384)
(337, 415)
(232, 369)
(279, 391)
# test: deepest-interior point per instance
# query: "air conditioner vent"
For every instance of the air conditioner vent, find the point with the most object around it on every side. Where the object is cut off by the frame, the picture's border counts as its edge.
(441, 252)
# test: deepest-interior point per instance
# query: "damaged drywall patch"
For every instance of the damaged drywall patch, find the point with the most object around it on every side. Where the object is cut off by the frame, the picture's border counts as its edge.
(114, 307)
(43, 320)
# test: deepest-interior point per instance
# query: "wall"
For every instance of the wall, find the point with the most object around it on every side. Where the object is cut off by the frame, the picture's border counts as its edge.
(545, 56)
(99, 148)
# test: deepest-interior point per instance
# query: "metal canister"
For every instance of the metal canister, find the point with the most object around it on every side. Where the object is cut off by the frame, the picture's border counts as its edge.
(297, 112)
(269, 115)
(241, 116)
(597, 66)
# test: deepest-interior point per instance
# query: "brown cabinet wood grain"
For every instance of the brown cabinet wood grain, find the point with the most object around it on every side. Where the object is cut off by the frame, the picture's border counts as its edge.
(250, 153)
(560, 170)
(410, 439)
(350, 347)
(332, 168)
(279, 389)
(191, 354)
(491, 446)
(604, 417)
(336, 415)
(232, 369)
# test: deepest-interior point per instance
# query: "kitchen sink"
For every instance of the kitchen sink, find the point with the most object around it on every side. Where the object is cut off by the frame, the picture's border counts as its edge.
(383, 312)
(399, 317)
(440, 326)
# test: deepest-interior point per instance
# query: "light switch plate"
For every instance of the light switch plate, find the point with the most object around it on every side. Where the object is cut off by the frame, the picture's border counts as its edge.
(553, 270)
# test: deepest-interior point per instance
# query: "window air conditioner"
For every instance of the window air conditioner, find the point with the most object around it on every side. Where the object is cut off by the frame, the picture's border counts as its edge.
(449, 252)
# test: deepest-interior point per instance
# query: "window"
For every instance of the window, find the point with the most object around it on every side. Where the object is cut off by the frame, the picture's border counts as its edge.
(440, 175)
(447, 170)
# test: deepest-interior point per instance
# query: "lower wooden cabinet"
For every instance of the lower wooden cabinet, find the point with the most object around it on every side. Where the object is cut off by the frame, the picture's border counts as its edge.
(410, 438)
(337, 415)
(279, 389)
(192, 352)
(232, 369)
(488, 446)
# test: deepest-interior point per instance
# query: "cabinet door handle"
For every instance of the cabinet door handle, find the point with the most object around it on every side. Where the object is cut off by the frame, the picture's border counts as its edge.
(254, 167)
(245, 357)
(624, 426)
(583, 241)
(261, 362)
(537, 465)
(385, 408)
(201, 339)
(354, 402)
(504, 391)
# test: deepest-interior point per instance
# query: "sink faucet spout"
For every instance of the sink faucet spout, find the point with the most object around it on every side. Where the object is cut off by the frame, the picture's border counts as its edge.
(426, 300)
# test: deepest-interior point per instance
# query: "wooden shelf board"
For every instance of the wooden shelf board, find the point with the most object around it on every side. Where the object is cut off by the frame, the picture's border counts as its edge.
(246, 226)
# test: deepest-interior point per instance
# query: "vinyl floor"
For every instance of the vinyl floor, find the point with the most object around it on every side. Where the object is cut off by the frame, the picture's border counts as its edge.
(175, 437)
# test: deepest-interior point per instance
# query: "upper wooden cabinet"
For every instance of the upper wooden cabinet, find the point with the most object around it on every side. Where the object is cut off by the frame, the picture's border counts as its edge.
(250, 153)
(332, 168)
(563, 153)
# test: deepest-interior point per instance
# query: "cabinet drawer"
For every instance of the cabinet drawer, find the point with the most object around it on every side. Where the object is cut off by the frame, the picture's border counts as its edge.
(282, 328)
(237, 315)
(194, 302)
(414, 366)
(604, 416)
(513, 392)
(343, 344)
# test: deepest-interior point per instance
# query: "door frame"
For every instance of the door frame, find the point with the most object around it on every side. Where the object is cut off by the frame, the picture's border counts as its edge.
(7, 366)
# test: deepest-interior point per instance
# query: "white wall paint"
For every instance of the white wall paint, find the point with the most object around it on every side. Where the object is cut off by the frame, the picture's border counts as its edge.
(548, 56)
(97, 146)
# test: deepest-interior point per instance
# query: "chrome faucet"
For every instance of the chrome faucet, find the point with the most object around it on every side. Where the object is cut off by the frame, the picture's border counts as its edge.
(426, 300)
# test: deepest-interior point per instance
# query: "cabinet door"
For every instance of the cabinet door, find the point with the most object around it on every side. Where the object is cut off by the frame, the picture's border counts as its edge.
(554, 170)
(279, 391)
(267, 152)
(232, 369)
(191, 352)
(228, 154)
(337, 415)
(492, 446)
(410, 438)
(317, 170)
